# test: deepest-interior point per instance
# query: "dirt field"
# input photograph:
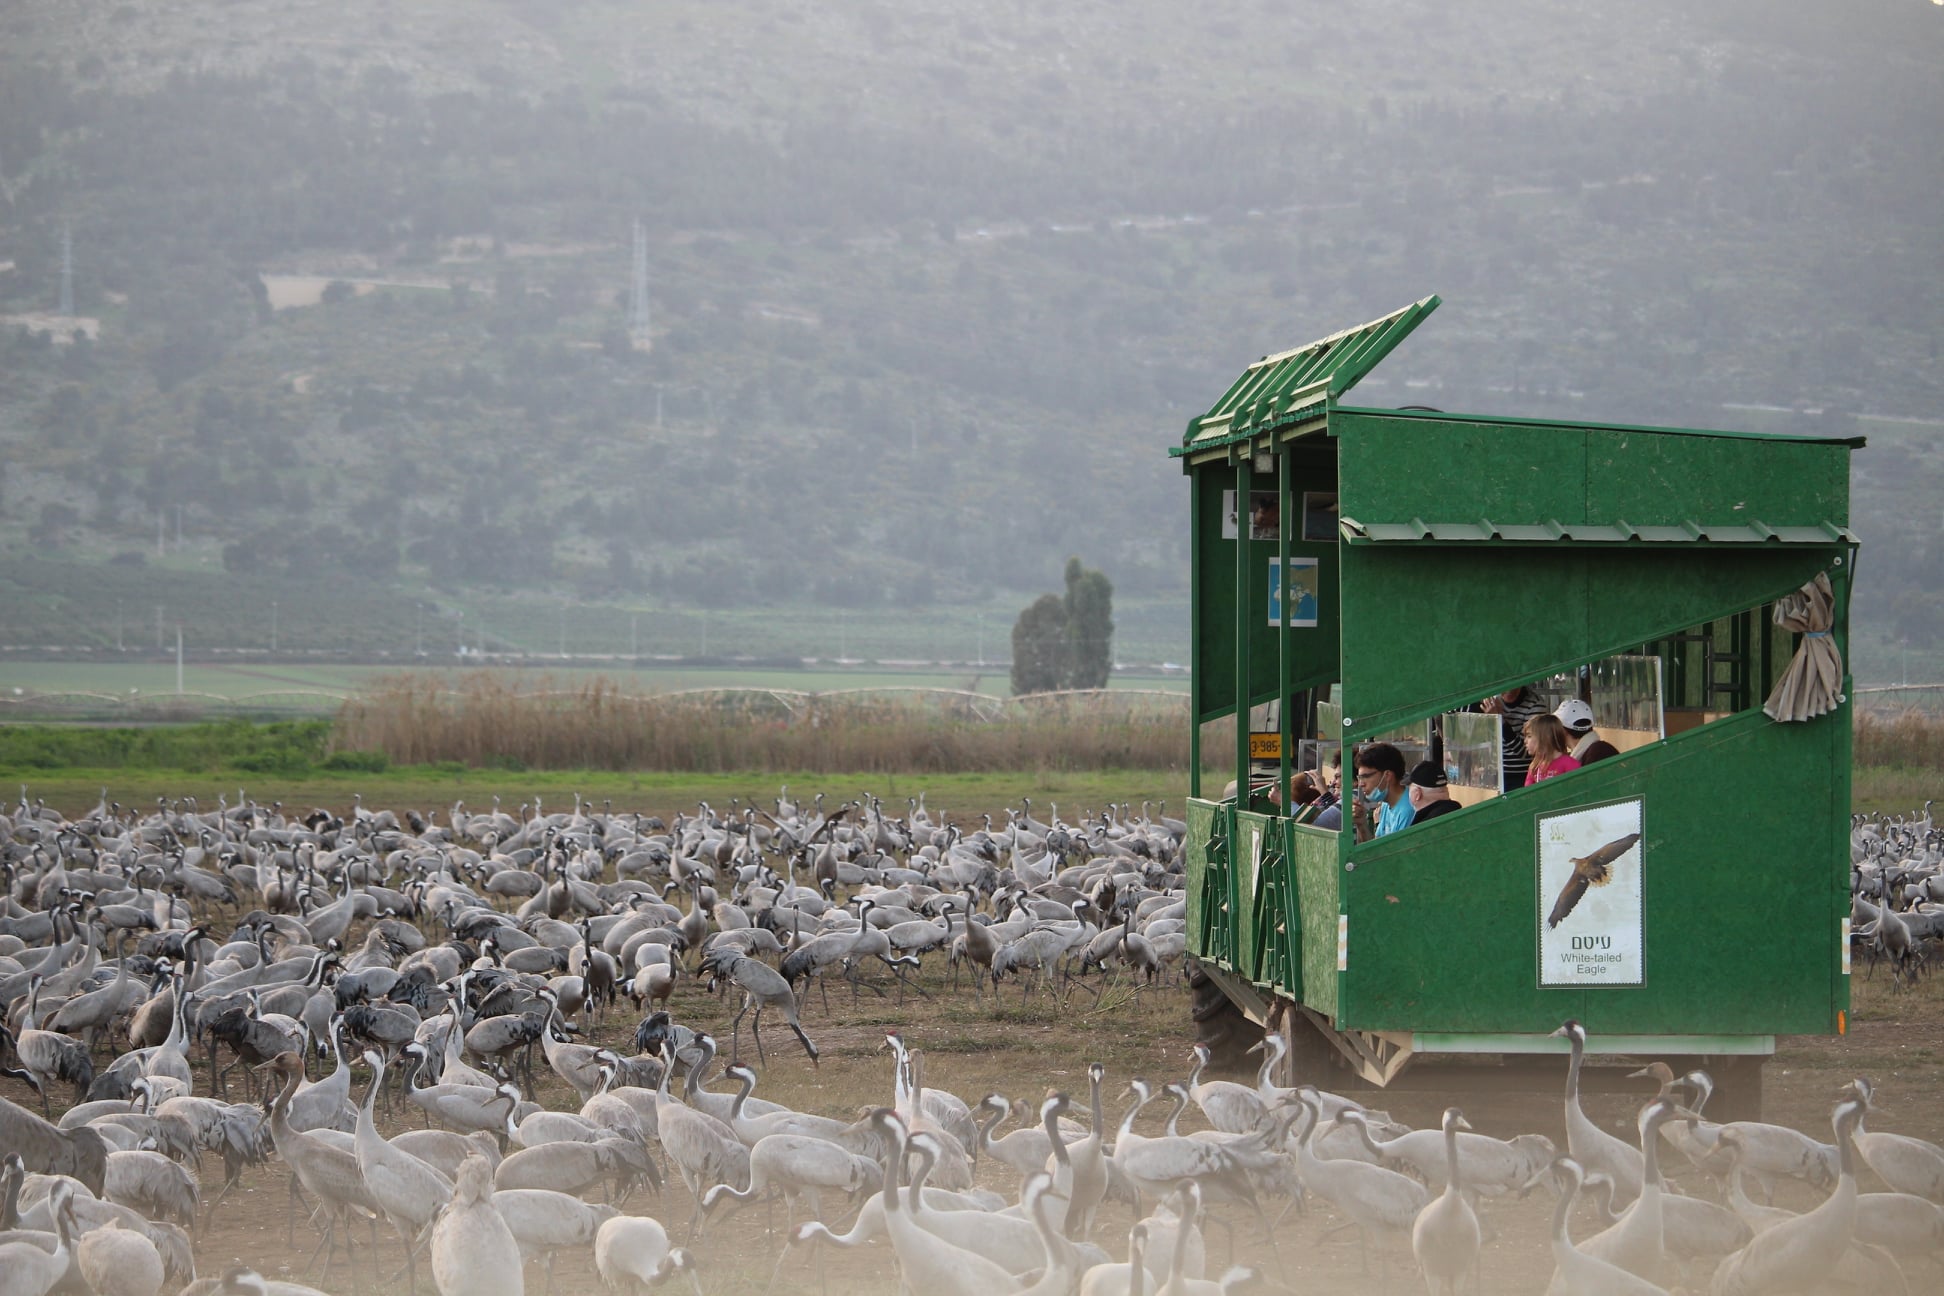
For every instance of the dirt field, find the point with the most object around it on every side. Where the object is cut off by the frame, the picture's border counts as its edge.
(973, 1047)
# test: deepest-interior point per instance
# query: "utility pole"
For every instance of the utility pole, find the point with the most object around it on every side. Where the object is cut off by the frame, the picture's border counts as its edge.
(67, 272)
(158, 627)
(178, 660)
(118, 625)
(638, 332)
(418, 629)
(561, 622)
(273, 625)
(982, 639)
(634, 636)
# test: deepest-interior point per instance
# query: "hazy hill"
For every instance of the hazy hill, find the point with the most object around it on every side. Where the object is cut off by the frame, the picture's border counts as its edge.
(933, 285)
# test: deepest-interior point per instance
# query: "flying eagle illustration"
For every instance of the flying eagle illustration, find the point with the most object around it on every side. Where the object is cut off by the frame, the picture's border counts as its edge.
(1589, 870)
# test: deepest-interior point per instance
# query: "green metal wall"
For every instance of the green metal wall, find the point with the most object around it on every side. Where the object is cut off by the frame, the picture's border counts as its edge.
(1446, 625)
(1744, 893)
(1317, 651)
(1742, 918)
(1398, 465)
(1314, 861)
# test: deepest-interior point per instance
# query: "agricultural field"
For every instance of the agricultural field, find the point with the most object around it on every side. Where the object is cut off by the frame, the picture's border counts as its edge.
(241, 680)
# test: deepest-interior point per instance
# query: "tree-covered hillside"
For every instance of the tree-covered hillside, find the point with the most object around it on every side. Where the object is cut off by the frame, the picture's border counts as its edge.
(932, 285)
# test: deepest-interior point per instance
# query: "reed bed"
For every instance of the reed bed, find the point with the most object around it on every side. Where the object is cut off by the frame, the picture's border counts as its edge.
(497, 721)
(490, 721)
(1901, 739)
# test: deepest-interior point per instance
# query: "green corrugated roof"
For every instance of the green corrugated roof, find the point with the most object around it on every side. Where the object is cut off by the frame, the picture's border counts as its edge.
(1282, 389)
(1484, 531)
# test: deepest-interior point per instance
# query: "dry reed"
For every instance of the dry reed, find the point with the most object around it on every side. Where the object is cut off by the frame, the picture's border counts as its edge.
(499, 721)
(1905, 739)
(490, 721)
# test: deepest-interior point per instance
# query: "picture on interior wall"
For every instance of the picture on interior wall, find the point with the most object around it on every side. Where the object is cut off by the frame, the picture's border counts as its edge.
(1320, 516)
(1265, 515)
(1303, 584)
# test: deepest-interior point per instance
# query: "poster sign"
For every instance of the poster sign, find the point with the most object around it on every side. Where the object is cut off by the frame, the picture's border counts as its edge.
(1302, 585)
(1589, 907)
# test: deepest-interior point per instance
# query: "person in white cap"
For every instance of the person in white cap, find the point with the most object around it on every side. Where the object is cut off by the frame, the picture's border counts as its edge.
(1588, 746)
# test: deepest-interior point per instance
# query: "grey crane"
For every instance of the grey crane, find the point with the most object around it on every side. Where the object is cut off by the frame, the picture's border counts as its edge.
(1445, 1236)
(1582, 1274)
(474, 1253)
(46, 1056)
(763, 987)
(1795, 1254)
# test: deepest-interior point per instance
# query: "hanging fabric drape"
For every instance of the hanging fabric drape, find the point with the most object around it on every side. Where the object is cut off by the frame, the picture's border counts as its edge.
(1813, 683)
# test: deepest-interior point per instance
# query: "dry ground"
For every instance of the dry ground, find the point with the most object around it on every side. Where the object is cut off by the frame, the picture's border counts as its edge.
(974, 1046)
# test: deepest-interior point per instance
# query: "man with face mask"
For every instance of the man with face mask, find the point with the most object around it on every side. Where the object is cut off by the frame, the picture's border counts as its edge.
(1382, 807)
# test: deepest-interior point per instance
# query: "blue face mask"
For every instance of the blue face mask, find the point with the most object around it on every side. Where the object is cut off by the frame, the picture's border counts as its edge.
(1375, 796)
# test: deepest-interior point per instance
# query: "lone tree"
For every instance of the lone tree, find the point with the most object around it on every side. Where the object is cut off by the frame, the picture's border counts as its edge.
(1064, 643)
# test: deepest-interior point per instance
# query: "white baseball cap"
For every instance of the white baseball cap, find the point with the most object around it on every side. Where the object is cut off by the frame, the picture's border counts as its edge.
(1575, 714)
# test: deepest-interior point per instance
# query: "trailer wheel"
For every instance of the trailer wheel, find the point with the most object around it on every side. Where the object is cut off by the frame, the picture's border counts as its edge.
(1738, 1089)
(1219, 1024)
(1312, 1058)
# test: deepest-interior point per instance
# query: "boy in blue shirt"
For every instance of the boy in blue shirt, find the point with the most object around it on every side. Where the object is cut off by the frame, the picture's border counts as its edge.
(1382, 806)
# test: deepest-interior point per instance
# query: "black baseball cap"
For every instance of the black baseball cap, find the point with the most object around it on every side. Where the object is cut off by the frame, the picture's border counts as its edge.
(1428, 774)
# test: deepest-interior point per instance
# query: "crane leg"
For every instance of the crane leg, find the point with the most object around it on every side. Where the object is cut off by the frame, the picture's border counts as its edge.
(735, 1033)
(808, 1047)
(756, 1029)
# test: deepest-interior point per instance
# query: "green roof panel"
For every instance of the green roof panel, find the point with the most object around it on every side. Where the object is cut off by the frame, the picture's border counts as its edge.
(1279, 390)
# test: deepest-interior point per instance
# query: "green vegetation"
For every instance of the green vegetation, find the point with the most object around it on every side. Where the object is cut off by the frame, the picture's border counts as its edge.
(1066, 643)
(286, 749)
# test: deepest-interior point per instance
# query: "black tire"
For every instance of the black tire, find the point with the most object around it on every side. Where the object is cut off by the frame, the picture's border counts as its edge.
(1312, 1058)
(1219, 1024)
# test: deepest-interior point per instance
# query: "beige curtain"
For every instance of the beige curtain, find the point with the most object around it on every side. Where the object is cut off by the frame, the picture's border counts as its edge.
(1813, 683)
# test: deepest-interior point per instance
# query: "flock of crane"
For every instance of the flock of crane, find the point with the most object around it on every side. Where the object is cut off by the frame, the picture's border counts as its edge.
(1897, 889)
(151, 964)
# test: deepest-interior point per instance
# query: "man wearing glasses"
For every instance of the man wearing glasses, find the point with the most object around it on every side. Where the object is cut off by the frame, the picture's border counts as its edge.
(1382, 807)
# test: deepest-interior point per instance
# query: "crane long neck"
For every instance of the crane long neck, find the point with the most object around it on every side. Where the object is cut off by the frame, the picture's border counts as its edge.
(748, 1081)
(1050, 1117)
(893, 1173)
(915, 1193)
(992, 1123)
(1561, 1209)
(1174, 1117)
(1650, 1147)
